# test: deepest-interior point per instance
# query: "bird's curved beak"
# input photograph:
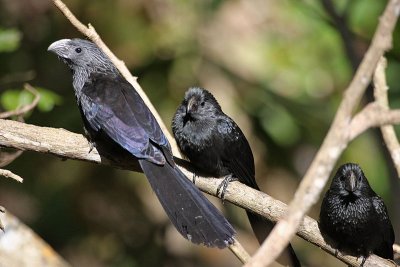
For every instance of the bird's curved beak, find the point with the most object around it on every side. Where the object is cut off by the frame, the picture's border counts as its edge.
(351, 182)
(60, 48)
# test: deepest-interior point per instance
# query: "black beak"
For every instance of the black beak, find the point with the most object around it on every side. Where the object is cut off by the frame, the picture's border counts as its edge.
(351, 182)
(60, 48)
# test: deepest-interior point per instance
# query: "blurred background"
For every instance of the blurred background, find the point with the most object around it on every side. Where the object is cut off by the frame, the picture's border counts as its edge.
(278, 68)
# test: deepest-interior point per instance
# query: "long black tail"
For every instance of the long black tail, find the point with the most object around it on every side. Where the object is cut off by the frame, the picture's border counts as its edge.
(187, 208)
(261, 228)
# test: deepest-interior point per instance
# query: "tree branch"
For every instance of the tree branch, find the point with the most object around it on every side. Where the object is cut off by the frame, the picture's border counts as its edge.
(64, 144)
(335, 142)
(25, 109)
(9, 174)
(20, 246)
(388, 133)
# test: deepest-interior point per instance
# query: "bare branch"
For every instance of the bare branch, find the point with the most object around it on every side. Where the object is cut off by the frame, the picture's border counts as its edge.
(6, 157)
(388, 133)
(58, 142)
(24, 109)
(9, 174)
(335, 142)
(239, 251)
(64, 144)
(372, 115)
(20, 246)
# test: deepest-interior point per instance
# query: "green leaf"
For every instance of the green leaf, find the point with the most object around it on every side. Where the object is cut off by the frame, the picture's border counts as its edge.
(48, 99)
(10, 99)
(9, 39)
(15, 98)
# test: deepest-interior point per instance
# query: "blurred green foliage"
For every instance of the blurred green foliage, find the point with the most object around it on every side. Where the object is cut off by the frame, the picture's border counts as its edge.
(278, 68)
(12, 99)
(9, 39)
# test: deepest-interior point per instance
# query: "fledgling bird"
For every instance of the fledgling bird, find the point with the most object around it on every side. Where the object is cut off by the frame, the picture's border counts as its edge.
(216, 147)
(115, 117)
(354, 218)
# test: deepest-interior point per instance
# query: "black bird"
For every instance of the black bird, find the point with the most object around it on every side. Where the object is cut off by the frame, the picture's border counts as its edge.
(354, 218)
(115, 117)
(216, 147)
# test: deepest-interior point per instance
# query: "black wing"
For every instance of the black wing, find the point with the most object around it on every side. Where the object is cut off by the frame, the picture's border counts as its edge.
(237, 154)
(385, 250)
(110, 104)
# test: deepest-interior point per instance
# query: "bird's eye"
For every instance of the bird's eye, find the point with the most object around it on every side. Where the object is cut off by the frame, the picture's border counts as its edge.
(78, 50)
(202, 104)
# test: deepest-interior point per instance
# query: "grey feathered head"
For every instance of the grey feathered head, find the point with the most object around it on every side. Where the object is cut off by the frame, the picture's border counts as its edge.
(83, 57)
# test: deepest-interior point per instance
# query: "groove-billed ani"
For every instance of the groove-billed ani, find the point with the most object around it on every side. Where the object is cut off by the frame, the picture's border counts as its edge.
(216, 147)
(353, 217)
(116, 117)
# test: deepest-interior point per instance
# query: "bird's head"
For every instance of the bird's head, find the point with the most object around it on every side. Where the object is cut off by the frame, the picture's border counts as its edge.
(81, 55)
(350, 180)
(199, 104)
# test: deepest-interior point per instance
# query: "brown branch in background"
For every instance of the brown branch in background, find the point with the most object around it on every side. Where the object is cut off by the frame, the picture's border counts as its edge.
(64, 144)
(372, 115)
(20, 246)
(9, 174)
(335, 142)
(91, 33)
(6, 157)
(388, 133)
(9, 157)
(24, 109)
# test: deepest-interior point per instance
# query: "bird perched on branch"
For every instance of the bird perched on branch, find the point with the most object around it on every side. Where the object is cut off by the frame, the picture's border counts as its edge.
(216, 147)
(115, 117)
(354, 218)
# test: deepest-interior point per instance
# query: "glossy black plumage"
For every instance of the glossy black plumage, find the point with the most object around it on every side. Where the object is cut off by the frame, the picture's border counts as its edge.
(353, 217)
(116, 118)
(216, 147)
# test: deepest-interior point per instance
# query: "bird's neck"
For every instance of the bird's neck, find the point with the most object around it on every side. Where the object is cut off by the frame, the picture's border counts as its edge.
(81, 76)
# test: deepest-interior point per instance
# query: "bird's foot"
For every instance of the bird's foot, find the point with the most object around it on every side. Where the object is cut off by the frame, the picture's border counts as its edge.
(91, 145)
(194, 178)
(336, 252)
(364, 258)
(224, 185)
(2, 210)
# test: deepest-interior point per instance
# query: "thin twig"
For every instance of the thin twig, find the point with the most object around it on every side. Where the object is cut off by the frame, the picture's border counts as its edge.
(388, 132)
(64, 144)
(239, 251)
(9, 174)
(335, 142)
(24, 109)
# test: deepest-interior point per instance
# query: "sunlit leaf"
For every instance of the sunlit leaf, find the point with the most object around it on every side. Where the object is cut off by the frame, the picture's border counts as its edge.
(15, 98)
(9, 39)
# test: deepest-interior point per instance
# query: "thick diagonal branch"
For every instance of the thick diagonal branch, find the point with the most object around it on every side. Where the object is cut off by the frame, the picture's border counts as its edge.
(20, 246)
(68, 145)
(335, 142)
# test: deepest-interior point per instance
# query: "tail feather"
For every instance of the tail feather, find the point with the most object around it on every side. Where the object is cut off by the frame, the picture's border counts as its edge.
(261, 228)
(187, 208)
